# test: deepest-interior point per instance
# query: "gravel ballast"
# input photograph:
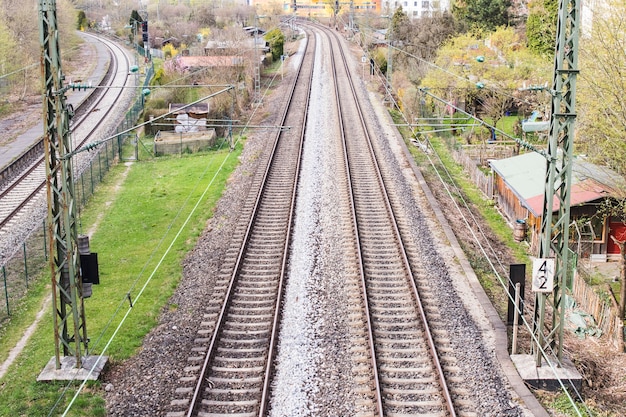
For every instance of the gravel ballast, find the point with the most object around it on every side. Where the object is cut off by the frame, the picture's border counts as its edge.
(313, 371)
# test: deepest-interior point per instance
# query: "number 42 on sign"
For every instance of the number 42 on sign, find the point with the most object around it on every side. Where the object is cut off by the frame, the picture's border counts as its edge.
(543, 275)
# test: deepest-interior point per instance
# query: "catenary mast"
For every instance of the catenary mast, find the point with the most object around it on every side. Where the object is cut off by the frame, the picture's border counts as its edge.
(554, 236)
(70, 331)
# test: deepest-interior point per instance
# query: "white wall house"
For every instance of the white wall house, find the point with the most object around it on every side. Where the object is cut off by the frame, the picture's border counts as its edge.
(415, 8)
(597, 11)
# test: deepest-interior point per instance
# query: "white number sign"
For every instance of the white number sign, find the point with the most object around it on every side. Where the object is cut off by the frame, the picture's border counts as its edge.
(543, 275)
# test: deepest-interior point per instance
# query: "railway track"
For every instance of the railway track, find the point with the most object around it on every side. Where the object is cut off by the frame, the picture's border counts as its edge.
(408, 374)
(27, 188)
(402, 359)
(229, 373)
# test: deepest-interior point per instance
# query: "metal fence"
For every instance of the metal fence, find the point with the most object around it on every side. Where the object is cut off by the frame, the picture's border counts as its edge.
(23, 270)
(27, 266)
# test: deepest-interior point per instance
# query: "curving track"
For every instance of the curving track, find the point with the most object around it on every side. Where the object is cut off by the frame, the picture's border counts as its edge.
(28, 188)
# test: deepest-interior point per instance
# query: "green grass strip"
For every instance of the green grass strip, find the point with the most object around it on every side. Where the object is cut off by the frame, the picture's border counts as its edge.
(145, 218)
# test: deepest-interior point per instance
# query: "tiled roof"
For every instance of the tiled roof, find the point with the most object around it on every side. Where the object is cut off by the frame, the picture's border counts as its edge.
(581, 192)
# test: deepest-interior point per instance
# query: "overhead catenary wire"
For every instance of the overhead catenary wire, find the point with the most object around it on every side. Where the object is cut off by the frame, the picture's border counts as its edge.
(482, 248)
(503, 282)
(494, 257)
(127, 296)
(491, 256)
(481, 122)
(95, 144)
(145, 285)
(488, 85)
(521, 142)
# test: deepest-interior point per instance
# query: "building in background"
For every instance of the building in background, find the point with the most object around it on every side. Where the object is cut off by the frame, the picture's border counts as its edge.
(416, 8)
(326, 8)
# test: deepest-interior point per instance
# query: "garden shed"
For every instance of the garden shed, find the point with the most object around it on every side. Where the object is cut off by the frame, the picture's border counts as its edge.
(519, 192)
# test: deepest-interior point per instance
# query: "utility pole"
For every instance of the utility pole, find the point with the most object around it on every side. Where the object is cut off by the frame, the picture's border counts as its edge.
(555, 228)
(257, 63)
(389, 70)
(389, 57)
(70, 331)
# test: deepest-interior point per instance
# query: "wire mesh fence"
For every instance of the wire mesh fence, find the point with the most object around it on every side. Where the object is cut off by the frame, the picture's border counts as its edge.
(26, 267)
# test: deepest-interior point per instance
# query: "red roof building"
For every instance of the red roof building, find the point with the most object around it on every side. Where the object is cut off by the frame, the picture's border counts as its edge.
(519, 184)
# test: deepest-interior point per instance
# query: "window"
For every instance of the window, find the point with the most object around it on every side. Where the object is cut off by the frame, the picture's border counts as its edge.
(425, 4)
(406, 3)
(415, 3)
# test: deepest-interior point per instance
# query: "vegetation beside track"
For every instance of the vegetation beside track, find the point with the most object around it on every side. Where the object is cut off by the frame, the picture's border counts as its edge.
(445, 169)
(135, 218)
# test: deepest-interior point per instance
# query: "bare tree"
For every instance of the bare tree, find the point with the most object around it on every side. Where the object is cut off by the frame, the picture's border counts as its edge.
(601, 100)
(495, 104)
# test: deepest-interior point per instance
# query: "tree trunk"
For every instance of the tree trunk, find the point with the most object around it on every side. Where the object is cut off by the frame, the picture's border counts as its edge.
(622, 276)
(622, 297)
(23, 96)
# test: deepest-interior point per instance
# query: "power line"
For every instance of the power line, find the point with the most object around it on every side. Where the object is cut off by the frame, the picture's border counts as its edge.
(133, 301)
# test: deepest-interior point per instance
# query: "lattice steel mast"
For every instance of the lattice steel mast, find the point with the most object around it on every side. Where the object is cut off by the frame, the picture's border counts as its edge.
(555, 228)
(70, 332)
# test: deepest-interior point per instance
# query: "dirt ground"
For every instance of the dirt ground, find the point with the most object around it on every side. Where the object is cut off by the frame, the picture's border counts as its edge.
(602, 367)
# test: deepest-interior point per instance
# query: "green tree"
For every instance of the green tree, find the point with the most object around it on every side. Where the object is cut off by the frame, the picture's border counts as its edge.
(8, 62)
(134, 17)
(379, 55)
(485, 74)
(400, 25)
(82, 22)
(276, 39)
(8, 50)
(482, 14)
(541, 25)
(135, 22)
